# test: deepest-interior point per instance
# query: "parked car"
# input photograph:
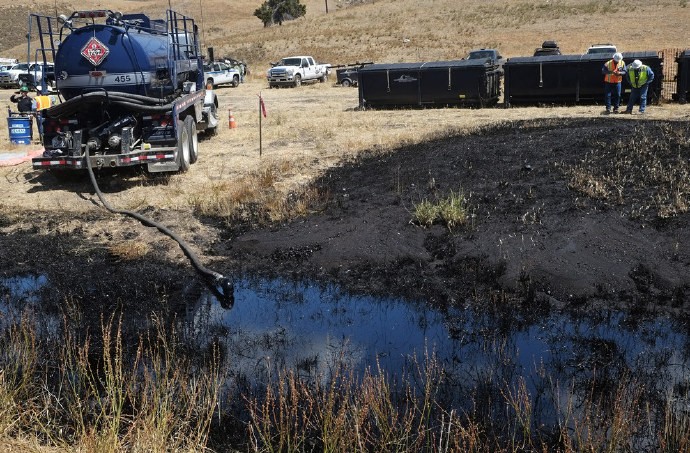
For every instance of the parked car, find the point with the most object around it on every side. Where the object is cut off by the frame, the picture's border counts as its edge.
(27, 74)
(492, 54)
(347, 75)
(220, 73)
(241, 66)
(608, 49)
(547, 48)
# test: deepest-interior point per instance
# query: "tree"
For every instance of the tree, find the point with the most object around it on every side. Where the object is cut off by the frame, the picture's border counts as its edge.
(277, 11)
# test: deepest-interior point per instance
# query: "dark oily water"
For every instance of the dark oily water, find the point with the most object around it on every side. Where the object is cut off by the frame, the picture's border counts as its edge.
(278, 324)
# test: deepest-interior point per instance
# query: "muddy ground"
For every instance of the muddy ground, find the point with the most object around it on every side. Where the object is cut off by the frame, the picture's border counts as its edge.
(532, 236)
(538, 233)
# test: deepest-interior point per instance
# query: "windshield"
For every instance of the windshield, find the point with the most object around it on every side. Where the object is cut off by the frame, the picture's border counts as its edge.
(602, 50)
(290, 62)
(480, 54)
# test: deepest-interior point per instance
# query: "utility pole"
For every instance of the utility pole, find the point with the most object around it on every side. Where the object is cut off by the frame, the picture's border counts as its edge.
(326, 6)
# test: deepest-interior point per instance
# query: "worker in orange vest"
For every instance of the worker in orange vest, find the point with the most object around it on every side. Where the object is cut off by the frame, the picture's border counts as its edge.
(613, 71)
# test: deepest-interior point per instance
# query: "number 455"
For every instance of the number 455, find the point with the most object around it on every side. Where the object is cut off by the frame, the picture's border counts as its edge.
(123, 79)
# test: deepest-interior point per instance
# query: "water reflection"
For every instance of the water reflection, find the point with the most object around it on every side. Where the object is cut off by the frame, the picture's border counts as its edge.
(311, 328)
(22, 294)
(561, 357)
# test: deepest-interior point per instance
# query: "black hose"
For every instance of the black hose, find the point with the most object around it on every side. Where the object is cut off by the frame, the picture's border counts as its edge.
(214, 279)
(67, 108)
(131, 101)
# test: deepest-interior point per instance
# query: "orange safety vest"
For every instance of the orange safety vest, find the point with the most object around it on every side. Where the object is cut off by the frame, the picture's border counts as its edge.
(611, 65)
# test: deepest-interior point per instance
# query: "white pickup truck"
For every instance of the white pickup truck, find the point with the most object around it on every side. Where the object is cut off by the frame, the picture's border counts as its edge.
(292, 71)
(29, 74)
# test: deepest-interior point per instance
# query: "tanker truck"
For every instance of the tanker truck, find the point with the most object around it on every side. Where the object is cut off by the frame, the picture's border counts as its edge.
(130, 91)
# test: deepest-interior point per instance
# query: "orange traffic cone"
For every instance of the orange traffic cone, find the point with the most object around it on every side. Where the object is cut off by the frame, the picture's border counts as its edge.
(232, 124)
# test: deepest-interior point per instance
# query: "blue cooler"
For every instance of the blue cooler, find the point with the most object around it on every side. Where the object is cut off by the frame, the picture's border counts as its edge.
(20, 128)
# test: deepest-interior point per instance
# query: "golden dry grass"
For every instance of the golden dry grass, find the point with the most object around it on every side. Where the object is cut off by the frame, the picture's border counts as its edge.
(315, 127)
(436, 29)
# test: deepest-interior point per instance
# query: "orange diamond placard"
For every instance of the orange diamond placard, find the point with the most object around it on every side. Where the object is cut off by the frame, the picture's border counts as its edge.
(95, 51)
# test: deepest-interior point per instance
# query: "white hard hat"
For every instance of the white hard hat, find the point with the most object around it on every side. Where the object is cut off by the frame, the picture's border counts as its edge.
(617, 56)
(637, 64)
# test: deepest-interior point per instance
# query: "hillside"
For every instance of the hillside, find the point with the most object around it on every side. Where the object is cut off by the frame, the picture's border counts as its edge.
(374, 31)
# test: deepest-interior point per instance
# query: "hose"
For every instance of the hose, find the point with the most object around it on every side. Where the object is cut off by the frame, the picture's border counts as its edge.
(220, 285)
(69, 108)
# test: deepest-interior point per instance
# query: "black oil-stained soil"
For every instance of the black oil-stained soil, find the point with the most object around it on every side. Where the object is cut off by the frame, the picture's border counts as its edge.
(559, 213)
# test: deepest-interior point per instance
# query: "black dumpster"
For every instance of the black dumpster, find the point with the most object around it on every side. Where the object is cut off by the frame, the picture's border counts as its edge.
(570, 79)
(440, 83)
(543, 79)
(683, 77)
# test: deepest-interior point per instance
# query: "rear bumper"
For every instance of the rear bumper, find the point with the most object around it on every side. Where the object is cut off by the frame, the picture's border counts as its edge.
(159, 155)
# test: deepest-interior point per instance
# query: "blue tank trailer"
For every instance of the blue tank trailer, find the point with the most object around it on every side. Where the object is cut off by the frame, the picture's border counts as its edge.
(131, 88)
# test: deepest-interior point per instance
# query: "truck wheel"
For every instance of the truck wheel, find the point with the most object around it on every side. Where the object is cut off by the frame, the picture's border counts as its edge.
(235, 81)
(183, 147)
(346, 83)
(298, 80)
(190, 124)
(323, 78)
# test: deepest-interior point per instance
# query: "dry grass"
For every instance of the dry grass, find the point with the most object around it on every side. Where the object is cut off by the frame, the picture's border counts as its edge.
(653, 170)
(96, 397)
(436, 30)
(309, 130)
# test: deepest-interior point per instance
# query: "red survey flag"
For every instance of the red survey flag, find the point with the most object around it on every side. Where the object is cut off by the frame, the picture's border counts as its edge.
(263, 106)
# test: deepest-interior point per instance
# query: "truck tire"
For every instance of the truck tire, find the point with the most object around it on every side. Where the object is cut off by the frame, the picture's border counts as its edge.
(346, 83)
(235, 81)
(182, 154)
(298, 80)
(323, 78)
(190, 124)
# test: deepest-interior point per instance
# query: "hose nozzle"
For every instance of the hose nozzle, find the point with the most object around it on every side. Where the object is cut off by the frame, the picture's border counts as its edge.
(224, 290)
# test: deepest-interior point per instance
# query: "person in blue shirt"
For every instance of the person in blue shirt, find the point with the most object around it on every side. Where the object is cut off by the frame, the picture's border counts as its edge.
(640, 77)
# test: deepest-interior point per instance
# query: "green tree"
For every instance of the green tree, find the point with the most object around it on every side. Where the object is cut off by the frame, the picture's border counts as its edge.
(276, 11)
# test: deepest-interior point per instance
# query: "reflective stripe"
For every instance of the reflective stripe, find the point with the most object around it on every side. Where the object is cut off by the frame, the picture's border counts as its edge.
(109, 79)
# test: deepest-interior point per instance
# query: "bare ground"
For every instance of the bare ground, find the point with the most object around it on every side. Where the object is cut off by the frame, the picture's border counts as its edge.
(532, 236)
